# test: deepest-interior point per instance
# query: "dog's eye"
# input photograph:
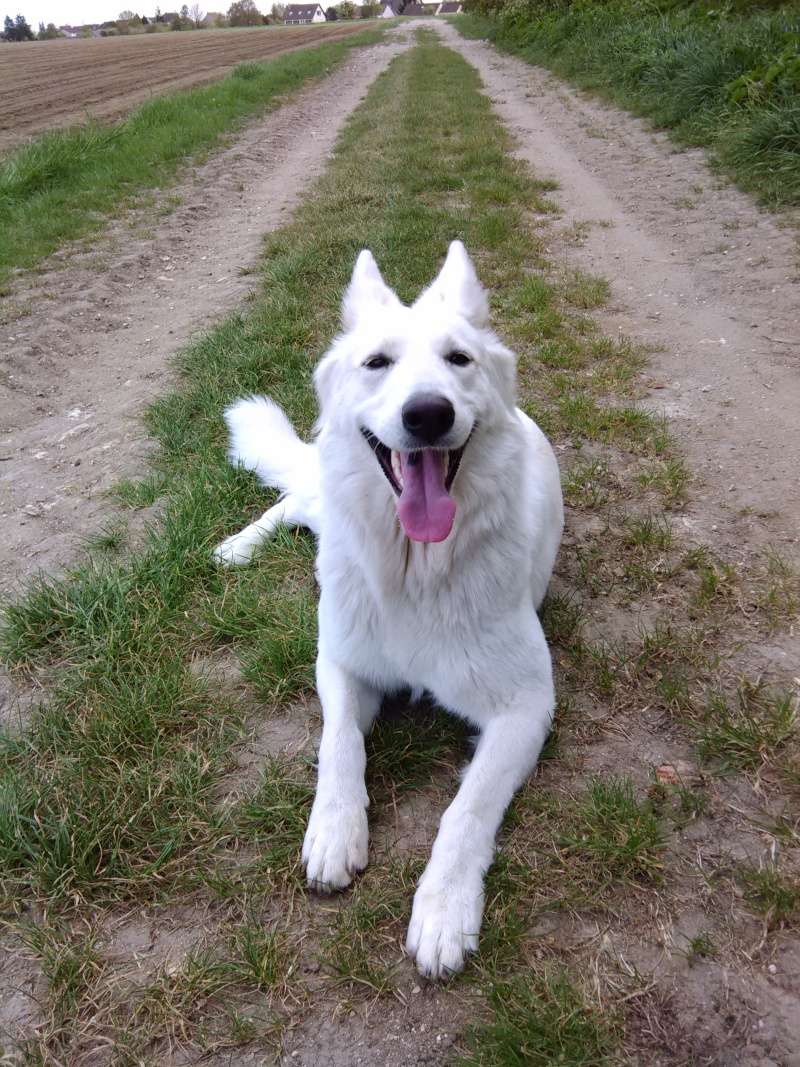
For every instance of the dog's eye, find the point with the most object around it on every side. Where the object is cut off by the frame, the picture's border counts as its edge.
(377, 362)
(458, 359)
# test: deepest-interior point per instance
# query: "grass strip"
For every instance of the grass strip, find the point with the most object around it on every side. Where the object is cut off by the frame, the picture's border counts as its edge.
(726, 77)
(68, 183)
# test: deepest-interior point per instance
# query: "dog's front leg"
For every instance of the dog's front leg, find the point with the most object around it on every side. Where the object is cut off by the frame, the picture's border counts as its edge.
(239, 549)
(335, 846)
(448, 904)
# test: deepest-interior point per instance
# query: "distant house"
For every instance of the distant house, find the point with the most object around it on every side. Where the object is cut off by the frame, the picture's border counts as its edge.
(214, 18)
(449, 7)
(391, 9)
(301, 14)
(419, 9)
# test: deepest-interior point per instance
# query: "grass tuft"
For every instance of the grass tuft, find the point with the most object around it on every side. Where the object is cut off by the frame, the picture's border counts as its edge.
(538, 1021)
(616, 834)
(773, 894)
(750, 730)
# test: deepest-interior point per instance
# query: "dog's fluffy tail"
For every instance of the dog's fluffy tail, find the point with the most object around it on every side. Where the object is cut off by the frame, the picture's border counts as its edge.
(263, 440)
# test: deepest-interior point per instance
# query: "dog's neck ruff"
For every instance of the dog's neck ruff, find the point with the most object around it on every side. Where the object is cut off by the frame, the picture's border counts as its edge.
(421, 480)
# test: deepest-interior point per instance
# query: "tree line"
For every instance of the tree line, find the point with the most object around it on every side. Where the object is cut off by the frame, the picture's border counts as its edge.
(240, 13)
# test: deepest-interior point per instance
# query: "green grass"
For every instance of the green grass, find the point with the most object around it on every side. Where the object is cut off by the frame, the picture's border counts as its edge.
(538, 1021)
(66, 184)
(772, 893)
(613, 834)
(726, 77)
(747, 731)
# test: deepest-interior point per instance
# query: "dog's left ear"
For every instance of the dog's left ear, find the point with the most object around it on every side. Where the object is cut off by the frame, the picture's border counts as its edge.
(457, 285)
(367, 291)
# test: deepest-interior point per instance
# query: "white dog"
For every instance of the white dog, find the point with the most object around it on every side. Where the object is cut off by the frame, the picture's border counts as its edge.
(437, 504)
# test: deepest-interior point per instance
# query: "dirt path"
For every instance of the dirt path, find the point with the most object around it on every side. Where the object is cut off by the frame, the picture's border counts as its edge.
(105, 78)
(696, 270)
(80, 371)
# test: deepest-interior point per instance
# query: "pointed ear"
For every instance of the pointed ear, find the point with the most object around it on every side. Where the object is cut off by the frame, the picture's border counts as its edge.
(366, 293)
(458, 286)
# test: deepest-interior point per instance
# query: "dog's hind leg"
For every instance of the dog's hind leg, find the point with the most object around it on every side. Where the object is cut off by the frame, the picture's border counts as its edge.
(239, 549)
(448, 903)
(335, 846)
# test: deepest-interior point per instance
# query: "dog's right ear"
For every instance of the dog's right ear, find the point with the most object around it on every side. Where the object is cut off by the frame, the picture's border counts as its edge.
(366, 293)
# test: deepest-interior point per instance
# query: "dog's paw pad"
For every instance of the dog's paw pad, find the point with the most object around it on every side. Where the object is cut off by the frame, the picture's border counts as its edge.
(335, 846)
(444, 927)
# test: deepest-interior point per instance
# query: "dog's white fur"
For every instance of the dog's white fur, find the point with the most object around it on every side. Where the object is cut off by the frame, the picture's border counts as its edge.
(457, 618)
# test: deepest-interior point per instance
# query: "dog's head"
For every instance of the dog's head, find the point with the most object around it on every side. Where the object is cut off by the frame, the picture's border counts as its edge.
(415, 383)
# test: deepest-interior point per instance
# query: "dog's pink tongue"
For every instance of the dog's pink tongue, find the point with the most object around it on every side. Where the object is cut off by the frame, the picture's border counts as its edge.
(425, 508)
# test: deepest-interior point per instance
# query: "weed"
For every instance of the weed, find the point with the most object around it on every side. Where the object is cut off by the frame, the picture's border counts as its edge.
(701, 947)
(141, 492)
(588, 484)
(585, 291)
(692, 803)
(647, 532)
(562, 618)
(779, 593)
(355, 947)
(71, 964)
(668, 477)
(263, 957)
(273, 819)
(110, 539)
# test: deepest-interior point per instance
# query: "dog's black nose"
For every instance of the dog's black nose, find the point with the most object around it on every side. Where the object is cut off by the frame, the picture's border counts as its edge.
(428, 416)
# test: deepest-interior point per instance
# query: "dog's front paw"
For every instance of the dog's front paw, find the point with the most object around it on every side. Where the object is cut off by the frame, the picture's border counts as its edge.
(445, 922)
(335, 846)
(235, 551)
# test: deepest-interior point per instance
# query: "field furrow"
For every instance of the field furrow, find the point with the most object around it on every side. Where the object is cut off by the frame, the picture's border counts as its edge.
(49, 84)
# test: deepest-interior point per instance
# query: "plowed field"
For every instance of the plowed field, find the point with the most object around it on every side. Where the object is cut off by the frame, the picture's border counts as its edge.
(57, 83)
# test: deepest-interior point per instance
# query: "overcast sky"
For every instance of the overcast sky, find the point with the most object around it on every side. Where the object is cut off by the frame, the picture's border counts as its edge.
(77, 12)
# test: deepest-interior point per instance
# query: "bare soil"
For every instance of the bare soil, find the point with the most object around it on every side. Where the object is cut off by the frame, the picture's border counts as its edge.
(49, 84)
(697, 271)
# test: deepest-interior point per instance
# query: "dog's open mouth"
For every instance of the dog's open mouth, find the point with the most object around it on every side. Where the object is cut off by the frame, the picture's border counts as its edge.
(422, 481)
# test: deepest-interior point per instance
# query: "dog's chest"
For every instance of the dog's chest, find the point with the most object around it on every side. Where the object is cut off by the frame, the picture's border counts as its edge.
(402, 616)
